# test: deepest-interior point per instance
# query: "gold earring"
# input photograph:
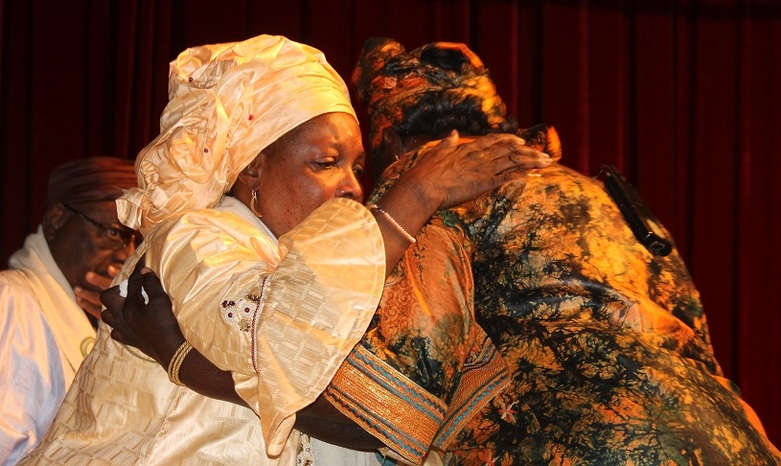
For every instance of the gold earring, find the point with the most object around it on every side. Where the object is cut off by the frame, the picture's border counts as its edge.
(252, 204)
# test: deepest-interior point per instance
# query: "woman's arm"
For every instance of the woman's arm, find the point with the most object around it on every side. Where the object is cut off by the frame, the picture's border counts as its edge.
(152, 328)
(451, 173)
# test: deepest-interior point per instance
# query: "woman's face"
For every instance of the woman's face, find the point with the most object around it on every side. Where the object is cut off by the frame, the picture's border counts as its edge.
(319, 160)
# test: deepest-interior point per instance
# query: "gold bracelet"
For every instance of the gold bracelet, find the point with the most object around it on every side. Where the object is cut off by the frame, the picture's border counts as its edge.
(393, 222)
(176, 362)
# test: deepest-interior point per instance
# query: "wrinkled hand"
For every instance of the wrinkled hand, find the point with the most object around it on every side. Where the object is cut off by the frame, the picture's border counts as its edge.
(152, 327)
(89, 299)
(454, 172)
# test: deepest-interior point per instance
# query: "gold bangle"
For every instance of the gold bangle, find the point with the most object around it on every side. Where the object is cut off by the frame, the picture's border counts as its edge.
(176, 362)
(393, 222)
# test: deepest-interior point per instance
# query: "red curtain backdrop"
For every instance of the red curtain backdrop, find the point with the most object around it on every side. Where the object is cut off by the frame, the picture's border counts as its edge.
(683, 96)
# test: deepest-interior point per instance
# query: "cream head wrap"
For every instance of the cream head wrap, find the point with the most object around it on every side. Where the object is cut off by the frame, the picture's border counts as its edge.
(227, 102)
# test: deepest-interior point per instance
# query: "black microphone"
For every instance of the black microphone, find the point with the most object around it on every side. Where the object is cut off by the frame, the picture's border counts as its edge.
(642, 222)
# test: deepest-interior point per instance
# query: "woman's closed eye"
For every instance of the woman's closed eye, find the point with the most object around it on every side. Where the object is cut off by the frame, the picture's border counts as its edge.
(328, 162)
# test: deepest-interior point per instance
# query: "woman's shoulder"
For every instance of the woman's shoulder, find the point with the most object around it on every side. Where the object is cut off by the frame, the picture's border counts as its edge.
(228, 215)
(204, 231)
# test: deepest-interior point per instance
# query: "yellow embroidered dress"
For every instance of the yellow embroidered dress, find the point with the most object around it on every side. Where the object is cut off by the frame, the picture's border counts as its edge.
(280, 315)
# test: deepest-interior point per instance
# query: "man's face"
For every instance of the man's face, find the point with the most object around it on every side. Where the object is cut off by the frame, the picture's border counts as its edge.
(89, 238)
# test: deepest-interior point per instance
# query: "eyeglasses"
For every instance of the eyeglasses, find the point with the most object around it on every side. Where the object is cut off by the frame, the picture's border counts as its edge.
(111, 236)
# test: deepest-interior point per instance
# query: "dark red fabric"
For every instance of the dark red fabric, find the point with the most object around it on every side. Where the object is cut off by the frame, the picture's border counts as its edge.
(681, 95)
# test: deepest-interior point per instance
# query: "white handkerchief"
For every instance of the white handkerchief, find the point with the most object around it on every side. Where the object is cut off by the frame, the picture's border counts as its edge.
(123, 291)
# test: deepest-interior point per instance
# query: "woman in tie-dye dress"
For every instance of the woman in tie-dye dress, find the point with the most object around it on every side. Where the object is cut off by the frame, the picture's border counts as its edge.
(606, 344)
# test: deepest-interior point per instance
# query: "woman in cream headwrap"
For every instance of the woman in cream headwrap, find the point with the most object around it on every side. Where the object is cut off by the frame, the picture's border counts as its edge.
(275, 282)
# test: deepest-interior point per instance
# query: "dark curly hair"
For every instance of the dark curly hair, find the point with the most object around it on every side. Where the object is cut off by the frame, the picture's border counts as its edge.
(436, 115)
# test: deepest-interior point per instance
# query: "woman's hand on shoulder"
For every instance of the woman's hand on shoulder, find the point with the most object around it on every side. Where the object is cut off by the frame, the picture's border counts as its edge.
(456, 171)
(149, 326)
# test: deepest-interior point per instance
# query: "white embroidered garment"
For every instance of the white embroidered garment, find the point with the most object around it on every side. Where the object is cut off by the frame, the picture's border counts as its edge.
(44, 337)
(281, 316)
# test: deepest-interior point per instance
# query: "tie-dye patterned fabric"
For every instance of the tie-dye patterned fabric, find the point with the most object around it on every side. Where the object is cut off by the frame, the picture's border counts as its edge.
(606, 344)
(392, 81)
(424, 366)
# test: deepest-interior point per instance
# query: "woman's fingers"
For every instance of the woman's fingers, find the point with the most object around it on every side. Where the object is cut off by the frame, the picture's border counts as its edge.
(112, 300)
(449, 142)
(490, 154)
(117, 335)
(457, 170)
(153, 286)
(107, 317)
(135, 283)
(113, 315)
(483, 164)
(527, 159)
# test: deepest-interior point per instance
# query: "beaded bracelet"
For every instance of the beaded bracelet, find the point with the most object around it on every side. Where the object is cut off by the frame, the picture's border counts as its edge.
(176, 362)
(393, 222)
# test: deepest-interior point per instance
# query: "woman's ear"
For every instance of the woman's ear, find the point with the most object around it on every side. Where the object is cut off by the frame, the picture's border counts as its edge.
(53, 219)
(250, 176)
(392, 141)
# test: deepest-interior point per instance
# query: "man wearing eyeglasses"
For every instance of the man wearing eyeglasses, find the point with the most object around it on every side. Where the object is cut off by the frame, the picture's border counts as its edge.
(49, 296)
